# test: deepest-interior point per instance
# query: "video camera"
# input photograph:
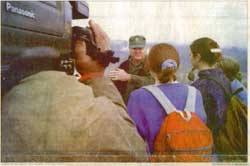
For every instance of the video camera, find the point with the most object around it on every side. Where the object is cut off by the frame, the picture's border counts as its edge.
(87, 35)
(37, 36)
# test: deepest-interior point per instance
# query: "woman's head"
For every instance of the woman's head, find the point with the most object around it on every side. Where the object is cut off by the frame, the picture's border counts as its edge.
(204, 51)
(230, 67)
(163, 60)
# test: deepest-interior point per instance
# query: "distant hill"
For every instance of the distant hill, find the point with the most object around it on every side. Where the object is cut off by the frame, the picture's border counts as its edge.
(239, 54)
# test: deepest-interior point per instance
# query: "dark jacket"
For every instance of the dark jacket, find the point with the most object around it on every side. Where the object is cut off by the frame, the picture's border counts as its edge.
(213, 96)
(140, 76)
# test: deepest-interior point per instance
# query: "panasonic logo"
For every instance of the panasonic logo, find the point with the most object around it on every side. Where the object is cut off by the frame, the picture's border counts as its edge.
(23, 12)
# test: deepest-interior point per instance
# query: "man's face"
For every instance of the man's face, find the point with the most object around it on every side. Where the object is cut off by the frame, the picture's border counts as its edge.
(83, 61)
(137, 54)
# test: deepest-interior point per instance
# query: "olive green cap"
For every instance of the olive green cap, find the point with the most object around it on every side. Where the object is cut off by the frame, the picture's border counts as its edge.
(137, 41)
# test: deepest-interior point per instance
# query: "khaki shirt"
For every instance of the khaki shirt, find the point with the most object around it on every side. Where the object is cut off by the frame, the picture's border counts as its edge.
(105, 87)
(50, 116)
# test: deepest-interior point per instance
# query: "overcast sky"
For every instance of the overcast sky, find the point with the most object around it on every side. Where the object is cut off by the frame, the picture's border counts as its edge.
(175, 21)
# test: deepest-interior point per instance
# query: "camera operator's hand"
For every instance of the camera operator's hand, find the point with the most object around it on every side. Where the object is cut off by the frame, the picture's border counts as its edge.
(101, 37)
(119, 74)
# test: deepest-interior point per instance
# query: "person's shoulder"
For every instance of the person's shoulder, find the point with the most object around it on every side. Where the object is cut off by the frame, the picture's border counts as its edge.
(124, 64)
(236, 82)
(204, 84)
(197, 91)
(187, 87)
(180, 84)
(198, 82)
(140, 93)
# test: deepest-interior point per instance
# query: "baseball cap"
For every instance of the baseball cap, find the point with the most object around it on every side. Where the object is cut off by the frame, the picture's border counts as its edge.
(137, 41)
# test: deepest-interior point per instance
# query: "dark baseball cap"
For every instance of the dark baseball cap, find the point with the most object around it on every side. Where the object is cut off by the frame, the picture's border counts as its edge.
(137, 41)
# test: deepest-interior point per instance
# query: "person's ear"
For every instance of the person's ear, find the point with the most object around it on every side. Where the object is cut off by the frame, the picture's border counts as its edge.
(198, 57)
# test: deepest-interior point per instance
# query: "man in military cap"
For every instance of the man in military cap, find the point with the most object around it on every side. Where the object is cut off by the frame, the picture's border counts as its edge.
(133, 73)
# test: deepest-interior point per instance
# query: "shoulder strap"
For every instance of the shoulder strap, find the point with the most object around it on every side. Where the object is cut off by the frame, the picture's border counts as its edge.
(162, 99)
(238, 91)
(191, 99)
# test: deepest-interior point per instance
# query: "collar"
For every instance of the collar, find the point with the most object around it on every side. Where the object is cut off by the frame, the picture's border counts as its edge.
(90, 76)
(210, 72)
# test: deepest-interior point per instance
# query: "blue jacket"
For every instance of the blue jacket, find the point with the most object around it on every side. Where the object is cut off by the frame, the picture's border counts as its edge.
(236, 84)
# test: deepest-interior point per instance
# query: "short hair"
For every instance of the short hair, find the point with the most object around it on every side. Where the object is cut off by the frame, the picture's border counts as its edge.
(204, 46)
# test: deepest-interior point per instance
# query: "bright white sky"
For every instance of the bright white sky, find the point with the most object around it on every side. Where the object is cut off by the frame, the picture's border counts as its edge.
(173, 21)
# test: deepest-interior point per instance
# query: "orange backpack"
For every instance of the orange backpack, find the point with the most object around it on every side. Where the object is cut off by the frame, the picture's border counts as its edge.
(182, 136)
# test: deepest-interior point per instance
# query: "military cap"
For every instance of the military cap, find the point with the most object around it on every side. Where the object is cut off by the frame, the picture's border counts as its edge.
(137, 41)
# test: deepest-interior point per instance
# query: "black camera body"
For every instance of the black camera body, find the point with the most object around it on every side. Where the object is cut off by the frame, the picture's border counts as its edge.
(37, 36)
(87, 35)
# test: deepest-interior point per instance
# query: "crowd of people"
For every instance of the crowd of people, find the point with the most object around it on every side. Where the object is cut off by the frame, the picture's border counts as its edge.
(140, 112)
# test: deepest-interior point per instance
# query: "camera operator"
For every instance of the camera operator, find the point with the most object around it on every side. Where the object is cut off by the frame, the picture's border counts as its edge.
(51, 116)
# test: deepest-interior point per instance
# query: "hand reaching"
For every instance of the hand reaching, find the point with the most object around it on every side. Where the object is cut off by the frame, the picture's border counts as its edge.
(119, 74)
